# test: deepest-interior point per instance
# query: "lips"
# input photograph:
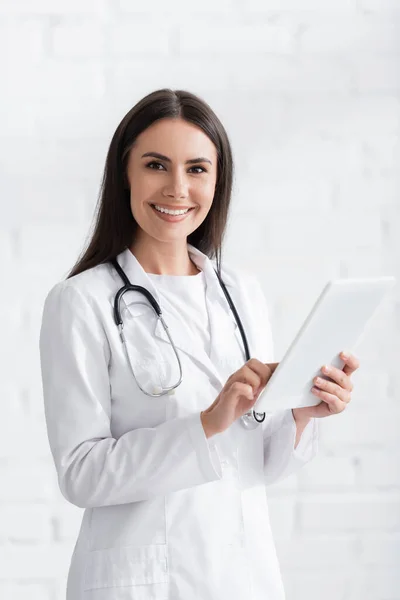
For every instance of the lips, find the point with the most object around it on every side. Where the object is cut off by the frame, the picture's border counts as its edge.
(168, 207)
(171, 218)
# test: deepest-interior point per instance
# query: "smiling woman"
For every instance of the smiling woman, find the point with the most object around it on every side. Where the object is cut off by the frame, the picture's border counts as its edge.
(169, 153)
(147, 386)
(170, 198)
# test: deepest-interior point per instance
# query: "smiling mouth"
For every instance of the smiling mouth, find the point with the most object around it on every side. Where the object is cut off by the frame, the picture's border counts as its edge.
(177, 216)
(172, 212)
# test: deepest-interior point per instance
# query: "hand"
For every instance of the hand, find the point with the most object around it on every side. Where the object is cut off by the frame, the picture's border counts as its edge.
(335, 394)
(238, 396)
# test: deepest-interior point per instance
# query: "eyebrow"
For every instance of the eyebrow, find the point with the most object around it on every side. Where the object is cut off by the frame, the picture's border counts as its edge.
(188, 162)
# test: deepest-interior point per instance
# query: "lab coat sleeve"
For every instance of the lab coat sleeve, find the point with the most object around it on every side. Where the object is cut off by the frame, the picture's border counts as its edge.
(93, 468)
(281, 458)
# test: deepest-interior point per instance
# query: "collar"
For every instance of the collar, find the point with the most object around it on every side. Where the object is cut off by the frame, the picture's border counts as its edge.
(138, 276)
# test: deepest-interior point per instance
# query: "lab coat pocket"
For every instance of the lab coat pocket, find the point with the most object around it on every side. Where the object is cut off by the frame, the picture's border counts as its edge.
(127, 573)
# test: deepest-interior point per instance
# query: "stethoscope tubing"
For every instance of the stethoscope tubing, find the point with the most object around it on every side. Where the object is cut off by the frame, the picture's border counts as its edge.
(250, 420)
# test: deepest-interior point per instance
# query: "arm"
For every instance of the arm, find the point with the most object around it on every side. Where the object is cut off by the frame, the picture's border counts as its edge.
(93, 468)
(283, 456)
(301, 424)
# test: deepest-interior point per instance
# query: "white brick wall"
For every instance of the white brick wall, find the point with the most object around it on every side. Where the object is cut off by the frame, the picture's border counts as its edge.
(309, 92)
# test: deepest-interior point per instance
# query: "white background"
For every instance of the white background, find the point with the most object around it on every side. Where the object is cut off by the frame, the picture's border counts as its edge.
(309, 92)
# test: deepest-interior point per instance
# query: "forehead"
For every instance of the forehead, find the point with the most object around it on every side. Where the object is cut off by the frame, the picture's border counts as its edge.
(175, 138)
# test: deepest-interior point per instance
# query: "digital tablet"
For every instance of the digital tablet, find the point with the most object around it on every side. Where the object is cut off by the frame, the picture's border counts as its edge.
(334, 324)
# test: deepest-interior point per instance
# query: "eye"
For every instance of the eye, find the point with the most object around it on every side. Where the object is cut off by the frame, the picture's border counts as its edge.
(153, 163)
(148, 165)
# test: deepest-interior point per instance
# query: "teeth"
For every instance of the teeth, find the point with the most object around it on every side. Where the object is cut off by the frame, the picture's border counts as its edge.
(170, 212)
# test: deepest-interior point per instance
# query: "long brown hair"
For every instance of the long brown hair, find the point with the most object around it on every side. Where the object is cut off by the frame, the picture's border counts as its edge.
(114, 225)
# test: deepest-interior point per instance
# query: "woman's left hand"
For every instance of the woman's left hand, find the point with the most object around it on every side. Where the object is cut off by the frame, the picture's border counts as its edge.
(335, 395)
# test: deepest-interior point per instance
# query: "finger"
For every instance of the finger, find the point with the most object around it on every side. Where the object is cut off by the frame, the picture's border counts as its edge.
(263, 370)
(333, 388)
(338, 376)
(247, 375)
(351, 362)
(336, 406)
(242, 389)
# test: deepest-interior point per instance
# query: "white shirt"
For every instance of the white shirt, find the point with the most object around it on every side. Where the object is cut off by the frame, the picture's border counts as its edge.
(186, 294)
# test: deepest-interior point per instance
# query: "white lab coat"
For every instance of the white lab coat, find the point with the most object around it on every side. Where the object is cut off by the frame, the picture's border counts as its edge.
(169, 514)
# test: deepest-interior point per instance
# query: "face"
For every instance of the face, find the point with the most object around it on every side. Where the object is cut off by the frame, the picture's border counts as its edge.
(184, 177)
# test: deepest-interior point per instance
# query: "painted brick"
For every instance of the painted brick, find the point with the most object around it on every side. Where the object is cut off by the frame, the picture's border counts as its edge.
(313, 117)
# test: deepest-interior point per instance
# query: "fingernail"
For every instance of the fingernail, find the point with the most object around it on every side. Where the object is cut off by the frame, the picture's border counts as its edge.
(345, 355)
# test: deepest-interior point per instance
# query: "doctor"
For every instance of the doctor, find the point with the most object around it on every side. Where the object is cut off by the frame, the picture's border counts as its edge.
(173, 485)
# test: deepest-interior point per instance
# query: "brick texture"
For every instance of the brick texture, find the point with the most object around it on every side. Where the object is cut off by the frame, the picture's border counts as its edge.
(310, 95)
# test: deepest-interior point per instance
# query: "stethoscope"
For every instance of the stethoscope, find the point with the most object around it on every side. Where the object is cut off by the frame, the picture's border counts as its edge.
(249, 420)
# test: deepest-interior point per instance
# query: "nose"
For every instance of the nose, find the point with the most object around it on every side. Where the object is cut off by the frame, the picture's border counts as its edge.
(177, 186)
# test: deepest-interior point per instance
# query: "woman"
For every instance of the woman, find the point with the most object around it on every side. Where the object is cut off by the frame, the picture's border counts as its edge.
(173, 485)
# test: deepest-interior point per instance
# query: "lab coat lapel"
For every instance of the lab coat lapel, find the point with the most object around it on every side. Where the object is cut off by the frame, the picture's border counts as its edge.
(223, 326)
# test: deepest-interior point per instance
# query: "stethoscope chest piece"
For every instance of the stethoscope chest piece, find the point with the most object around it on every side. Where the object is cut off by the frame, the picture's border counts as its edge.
(157, 390)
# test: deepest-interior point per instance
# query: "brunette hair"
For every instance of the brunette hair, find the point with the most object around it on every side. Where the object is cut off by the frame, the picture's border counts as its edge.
(114, 225)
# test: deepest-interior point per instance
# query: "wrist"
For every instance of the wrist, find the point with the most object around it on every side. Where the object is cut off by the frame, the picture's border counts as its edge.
(300, 416)
(208, 430)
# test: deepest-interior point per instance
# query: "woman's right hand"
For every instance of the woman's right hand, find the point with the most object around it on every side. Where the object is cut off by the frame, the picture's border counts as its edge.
(237, 397)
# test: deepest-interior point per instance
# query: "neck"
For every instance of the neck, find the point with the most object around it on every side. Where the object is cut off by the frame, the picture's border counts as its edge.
(163, 258)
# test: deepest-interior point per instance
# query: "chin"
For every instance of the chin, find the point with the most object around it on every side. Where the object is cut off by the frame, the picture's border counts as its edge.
(171, 237)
